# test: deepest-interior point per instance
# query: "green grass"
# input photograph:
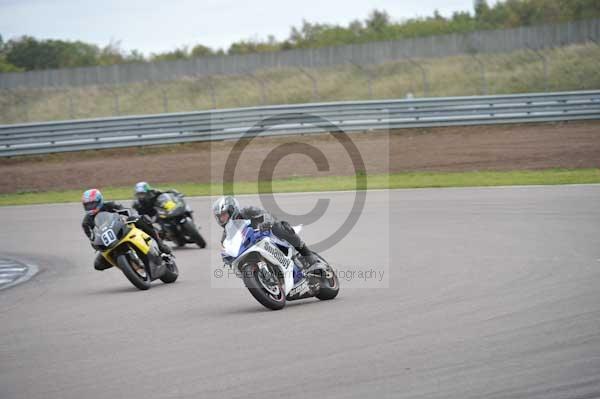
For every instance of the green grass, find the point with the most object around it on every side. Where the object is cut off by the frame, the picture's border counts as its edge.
(338, 183)
(572, 67)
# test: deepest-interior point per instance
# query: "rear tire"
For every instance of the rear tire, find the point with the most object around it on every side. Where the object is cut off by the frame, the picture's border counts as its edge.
(180, 241)
(173, 234)
(268, 300)
(139, 281)
(171, 274)
(330, 285)
(191, 230)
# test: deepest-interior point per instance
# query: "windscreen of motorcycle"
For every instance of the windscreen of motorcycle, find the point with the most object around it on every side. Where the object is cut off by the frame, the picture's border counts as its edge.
(168, 204)
(108, 229)
(235, 236)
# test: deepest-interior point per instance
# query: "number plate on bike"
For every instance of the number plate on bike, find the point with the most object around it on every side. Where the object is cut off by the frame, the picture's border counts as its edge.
(108, 237)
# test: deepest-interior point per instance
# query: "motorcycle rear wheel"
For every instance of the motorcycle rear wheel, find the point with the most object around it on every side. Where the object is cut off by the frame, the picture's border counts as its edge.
(330, 285)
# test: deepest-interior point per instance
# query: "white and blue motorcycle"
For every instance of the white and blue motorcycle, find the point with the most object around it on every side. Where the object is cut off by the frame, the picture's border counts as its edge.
(272, 269)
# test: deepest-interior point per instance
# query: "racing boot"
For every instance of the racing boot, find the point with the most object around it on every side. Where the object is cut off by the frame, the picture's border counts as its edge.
(101, 264)
(167, 258)
(164, 248)
(310, 259)
(165, 251)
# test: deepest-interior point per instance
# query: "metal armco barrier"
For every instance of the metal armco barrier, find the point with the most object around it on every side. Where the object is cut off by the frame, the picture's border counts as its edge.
(214, 125)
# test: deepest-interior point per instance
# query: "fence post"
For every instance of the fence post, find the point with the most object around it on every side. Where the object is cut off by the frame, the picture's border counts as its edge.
(115, 94)
(545, 64)
(262, 84)
(315, 86)
(71, 105)
(423, 75)
(484, 89)
(165, 99)
(370, 76)
(25, 108)
(213, 95)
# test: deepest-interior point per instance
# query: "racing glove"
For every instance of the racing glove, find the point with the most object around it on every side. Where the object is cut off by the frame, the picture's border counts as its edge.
(265, 226)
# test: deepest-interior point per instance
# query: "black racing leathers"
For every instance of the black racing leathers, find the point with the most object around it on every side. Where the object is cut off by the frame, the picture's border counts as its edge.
(147, 206)
(280, 229)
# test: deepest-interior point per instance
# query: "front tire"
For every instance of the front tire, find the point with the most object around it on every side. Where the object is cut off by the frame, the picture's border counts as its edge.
(173, 234)
(140, 281)
(267, 299)
(171, 274)
(192, 232)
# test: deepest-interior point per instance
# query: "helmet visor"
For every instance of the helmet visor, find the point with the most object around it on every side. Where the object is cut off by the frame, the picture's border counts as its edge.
(90, 206)
(223, 218)
(142, 196)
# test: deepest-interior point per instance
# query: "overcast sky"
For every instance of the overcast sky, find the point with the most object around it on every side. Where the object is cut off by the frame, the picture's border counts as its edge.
(163, 25)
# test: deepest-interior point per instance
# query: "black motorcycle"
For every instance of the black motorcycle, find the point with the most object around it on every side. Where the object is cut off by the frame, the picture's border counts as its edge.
(176, 222)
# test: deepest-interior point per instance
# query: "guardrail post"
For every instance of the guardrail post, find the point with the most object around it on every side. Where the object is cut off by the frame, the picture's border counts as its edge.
(423, 75)
(262, 84)
(484, 89)
(545, 64)
(370, 76)
(315, 86)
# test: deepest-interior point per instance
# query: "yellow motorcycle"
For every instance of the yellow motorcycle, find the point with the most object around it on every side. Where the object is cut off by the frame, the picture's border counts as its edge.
(130, 249)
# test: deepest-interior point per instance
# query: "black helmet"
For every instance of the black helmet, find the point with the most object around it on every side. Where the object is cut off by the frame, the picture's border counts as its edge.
(227, 205)
(143, 191)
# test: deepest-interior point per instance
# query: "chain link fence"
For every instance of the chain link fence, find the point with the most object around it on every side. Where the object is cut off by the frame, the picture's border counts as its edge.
(535, 67)
(481, 42)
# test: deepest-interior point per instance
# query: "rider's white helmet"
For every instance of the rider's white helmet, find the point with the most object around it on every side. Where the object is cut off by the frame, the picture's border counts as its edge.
(226, 204)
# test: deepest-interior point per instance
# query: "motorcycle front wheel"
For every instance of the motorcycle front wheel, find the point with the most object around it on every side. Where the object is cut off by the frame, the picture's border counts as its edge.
(135, 273)
(270, 294)
(170, 275)
(192, 232)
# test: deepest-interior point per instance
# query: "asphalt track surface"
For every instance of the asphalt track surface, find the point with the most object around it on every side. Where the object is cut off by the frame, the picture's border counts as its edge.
(491, 293)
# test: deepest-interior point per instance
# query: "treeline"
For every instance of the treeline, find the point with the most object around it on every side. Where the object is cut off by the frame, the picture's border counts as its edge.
(27, 53)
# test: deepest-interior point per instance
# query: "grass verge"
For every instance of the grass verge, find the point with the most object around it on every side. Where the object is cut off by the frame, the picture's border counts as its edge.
(336, 183)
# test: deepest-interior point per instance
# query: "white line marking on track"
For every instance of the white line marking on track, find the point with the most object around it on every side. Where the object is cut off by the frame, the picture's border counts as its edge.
(15, 273)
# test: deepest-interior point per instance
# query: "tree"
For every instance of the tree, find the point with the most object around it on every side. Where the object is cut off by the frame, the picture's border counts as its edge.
(28, 53)
(8, 67)
(200, 51)
(377, 21)
(181, 53)
(481, 7)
